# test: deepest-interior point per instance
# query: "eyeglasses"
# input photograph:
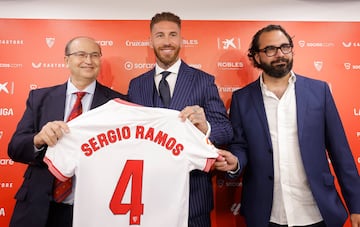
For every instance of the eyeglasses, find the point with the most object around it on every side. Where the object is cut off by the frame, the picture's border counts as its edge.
(84, 55)
(272, 50)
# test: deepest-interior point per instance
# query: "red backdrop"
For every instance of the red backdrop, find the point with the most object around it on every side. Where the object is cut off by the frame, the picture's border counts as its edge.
(31, 56)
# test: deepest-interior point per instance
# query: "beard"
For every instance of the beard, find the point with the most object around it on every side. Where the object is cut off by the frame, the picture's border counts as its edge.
(278, 68)
(166, 59)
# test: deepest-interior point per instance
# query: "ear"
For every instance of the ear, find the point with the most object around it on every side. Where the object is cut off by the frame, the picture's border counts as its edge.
(257, 58)
(150, 43)
(66, 61)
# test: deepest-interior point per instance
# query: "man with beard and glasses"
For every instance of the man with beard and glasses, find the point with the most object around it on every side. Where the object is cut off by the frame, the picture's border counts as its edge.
(286, 128)
(175, 85)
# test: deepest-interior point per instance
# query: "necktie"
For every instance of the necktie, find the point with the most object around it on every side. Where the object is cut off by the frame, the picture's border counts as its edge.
(164, 89)
(63, 189)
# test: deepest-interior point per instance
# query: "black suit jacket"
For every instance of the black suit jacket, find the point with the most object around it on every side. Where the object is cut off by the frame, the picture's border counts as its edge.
(42, 106)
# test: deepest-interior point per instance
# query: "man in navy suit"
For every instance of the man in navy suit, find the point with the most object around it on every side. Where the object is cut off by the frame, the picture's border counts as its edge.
(42, 124)
(286, 126)
(194, 93)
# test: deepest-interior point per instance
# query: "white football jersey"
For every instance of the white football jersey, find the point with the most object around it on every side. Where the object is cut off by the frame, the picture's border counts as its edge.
(131, 164)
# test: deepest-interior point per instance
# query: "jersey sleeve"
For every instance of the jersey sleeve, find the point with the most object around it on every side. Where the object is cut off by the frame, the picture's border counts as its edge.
(201, 152)
(62, 158)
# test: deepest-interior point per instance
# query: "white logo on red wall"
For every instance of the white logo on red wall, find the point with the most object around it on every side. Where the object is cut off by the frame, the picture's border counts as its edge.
(6, 112)
(1, 134)
(230, 43)
(357, 112)
(303, 43)
(7, 88)
(6, 162)
(318, 65)
(351, 44)
(50, 41)
(47, 65)
(11, 42)
(137, 65)
(2, 211)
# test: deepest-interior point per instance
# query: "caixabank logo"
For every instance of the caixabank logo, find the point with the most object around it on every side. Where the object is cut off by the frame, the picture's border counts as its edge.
(228, 43)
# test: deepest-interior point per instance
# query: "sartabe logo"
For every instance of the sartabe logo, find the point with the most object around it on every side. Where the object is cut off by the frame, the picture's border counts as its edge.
(130, 65)
(7, 88)
(11, 42)
(50, 41)
(318, 65)
(351, 44)
(228, 43)
(44, 65)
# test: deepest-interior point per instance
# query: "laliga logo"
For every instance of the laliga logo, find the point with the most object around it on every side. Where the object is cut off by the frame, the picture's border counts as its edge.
(50, 41)
(301, 43)
(347, 65)
(318, 65)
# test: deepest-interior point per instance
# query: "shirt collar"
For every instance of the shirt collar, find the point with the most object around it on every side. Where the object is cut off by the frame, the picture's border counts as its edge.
(173, 69)
(292, 79)
(72, 89)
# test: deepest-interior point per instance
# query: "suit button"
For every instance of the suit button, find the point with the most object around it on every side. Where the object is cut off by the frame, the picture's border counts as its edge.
(271, 178)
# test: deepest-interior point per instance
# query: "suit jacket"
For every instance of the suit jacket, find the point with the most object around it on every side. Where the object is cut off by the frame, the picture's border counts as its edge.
(193, 87)
(319, 129)
(34, 196)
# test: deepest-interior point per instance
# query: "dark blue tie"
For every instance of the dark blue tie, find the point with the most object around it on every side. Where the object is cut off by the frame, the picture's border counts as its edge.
(164, 89)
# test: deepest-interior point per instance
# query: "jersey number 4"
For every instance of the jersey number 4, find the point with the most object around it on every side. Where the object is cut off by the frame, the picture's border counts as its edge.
(134, 169)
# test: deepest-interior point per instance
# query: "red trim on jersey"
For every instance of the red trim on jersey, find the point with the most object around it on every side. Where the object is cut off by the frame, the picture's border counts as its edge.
(54, 170)
(125, 102)
(209, 163)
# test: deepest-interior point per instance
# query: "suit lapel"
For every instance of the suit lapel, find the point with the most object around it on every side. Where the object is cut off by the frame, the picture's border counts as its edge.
(260, 108)
(183, 85)
(56, 103)
(301, 104)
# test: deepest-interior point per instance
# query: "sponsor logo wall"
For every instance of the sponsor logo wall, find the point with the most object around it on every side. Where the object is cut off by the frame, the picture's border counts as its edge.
(31, 56)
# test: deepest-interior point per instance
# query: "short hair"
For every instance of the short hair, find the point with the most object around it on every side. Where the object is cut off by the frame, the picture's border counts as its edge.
(165, 16)
(68, 44)
(254, 46)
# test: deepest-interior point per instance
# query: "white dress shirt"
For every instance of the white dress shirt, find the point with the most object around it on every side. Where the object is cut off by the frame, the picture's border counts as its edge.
(69, 103)
(293, 202)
